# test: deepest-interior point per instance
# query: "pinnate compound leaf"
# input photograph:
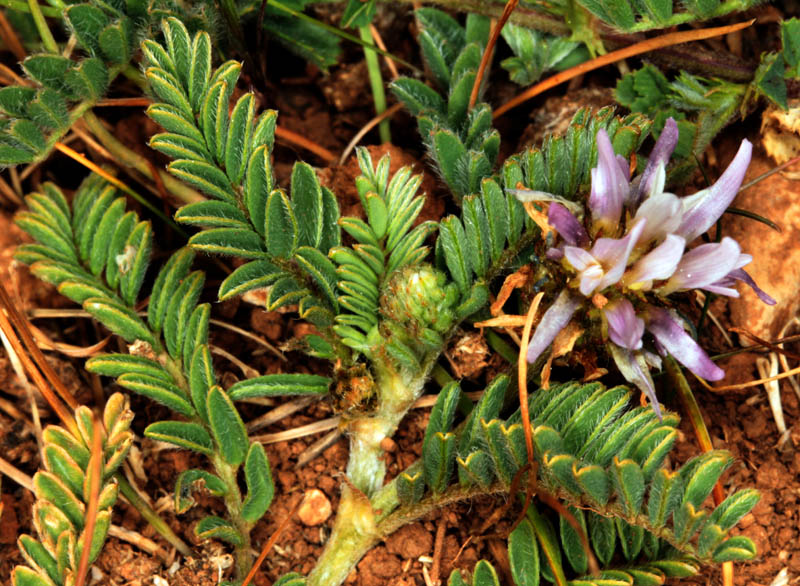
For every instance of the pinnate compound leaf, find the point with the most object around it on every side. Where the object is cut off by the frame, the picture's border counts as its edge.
(227, 427)
(260, 488)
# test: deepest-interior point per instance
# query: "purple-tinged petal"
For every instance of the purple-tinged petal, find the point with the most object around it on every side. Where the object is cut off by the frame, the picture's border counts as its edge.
(553, 321)
(625, 166)
(663, 212)
(610, 187)
(554, 253)
(634, 368)
(721, 289)
(613, 254)
(659, 263)
(567, 225)
(659, 158)
(579, 258)
(674, 339)
(741, 275)
(704, 265)
(702, 209)
(624, 328)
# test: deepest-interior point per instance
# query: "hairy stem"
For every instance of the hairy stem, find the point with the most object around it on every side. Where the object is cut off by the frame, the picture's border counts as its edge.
(397, 391)
(233, 503)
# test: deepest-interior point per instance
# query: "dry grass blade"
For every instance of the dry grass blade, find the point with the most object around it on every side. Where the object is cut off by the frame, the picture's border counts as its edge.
(489, 49)
(278, 413)
(297, 432)
(625, 53)
(270, 543)
(95, 470)
(38, 378)
(318, 447)
(131, 537)
(376, 36)
(301, 141)
(250, 336)
(388, 113)
(10, 38)
(522, 376)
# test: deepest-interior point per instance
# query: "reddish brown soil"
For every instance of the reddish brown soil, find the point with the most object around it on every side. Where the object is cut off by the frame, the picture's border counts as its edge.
(329, 111)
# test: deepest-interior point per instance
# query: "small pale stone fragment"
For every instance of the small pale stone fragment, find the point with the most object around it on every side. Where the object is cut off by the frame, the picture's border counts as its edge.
(315, 509)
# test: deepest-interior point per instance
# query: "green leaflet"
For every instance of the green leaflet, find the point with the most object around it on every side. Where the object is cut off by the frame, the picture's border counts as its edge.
(308, 205)
(167, 281)
(523, 554)
(184, 434)
(218, 528)
(157, 389)
(192, 480)
(227, 427)
(280, 384)
(253, 275)
(281, 226)
(260, 488)
(62, 493)
(120, 319)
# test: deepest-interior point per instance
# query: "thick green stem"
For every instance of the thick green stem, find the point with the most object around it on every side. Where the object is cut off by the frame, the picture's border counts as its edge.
(233, 504)
(354, 534)
(131, 159)
(41, 26)
(22, 6)
(396, 393)
(376, 82)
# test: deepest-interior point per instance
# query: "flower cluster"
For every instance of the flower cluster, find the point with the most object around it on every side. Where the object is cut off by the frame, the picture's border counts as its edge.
(629, 252)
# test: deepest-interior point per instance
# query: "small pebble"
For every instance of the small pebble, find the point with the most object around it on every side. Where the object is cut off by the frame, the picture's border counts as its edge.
(315, 509)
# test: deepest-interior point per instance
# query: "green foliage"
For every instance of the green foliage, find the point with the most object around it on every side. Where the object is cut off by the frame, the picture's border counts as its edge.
(302, 36)
(227, 156)
(790, 38)
(34, 118)
(62, 495)
(630, 16)
(606, 461)
(561, 165)
(460, 140)
(98, 255)
(535, 53)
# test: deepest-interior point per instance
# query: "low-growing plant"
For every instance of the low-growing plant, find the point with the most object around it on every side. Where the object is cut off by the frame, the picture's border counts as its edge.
(387, 293)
